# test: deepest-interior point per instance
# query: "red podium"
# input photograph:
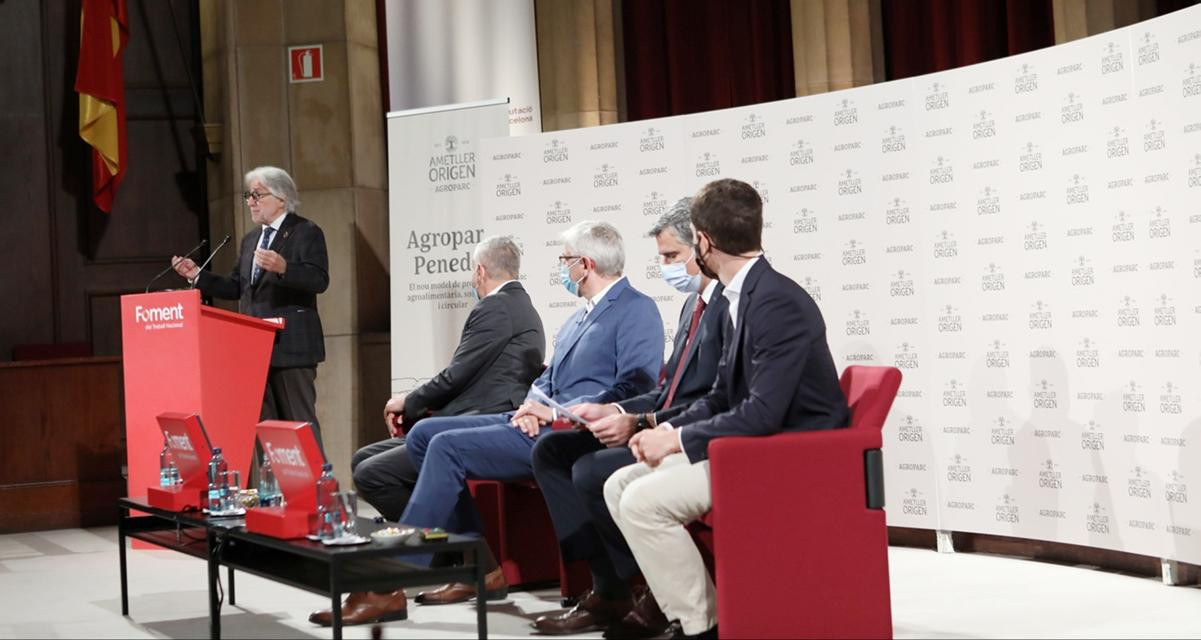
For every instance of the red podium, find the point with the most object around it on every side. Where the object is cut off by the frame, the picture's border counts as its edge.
(181, 356)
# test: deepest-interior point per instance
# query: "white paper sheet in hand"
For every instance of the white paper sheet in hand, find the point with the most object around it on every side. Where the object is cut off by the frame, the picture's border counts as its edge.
(563, 411)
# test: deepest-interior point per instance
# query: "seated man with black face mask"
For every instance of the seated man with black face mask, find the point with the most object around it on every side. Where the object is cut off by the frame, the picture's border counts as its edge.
(571, 466)
(776, 375)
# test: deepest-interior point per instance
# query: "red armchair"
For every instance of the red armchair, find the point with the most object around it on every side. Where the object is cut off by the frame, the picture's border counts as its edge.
(798, 525)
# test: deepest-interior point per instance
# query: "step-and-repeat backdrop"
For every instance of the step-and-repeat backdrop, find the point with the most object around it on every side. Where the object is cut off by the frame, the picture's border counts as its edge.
(1022, 238)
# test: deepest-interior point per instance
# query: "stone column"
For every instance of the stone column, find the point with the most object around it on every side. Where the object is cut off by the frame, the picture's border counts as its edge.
(836, 44)
(578, 62)
(1075, 19)
(330, 136)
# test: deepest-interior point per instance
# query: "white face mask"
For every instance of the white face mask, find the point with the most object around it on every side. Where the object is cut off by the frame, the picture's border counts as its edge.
(676, 275)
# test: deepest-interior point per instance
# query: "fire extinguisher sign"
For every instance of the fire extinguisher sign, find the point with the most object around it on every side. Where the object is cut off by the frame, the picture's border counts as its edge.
(306, 63)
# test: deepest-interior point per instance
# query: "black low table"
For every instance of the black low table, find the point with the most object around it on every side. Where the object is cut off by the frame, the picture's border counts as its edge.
(312, 566)
(188, 532)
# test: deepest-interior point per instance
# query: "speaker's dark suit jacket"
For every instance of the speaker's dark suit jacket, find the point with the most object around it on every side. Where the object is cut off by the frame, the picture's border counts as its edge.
(292, 296)
(776, 374)
(499, 355)
(700, 360)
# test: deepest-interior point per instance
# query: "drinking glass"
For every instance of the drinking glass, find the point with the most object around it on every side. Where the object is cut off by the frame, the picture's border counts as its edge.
(231, 483)
(349, 512)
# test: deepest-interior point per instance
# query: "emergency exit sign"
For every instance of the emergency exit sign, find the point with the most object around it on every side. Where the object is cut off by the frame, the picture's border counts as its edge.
(306, 63)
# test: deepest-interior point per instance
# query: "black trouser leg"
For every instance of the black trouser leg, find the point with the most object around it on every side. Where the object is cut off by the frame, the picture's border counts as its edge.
(554, 457)
(291, 394)
(385, 476)
(588, 477)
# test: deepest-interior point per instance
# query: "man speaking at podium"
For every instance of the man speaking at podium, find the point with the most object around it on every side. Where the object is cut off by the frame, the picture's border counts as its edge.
(282, 266)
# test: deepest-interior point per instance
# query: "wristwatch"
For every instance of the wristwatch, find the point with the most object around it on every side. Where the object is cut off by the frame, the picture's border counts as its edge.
(641, 423)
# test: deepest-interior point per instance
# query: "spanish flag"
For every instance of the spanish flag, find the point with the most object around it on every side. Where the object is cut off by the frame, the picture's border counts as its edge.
(100, 83)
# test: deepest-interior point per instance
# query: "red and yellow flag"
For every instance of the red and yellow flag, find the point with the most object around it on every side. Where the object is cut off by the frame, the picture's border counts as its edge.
(100, 83)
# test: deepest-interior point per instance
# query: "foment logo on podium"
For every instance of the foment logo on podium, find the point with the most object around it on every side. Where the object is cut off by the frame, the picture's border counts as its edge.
(154, 318)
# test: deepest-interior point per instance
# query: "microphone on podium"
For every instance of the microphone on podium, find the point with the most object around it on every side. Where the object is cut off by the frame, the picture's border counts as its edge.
(210, 259)
(172, 265)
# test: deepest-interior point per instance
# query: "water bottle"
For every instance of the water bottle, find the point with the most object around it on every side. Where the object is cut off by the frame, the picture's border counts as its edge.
(328, 522)
(168, 473)
(217, 479)
(269, 495)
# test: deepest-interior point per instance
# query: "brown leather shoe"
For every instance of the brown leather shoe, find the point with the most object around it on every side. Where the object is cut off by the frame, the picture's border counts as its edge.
(593, 612)
(495, 588)
(645, 620)
(366, 606)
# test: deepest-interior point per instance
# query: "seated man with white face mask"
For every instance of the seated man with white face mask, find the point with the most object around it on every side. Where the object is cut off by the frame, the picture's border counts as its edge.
(571, 466)
(610, 349)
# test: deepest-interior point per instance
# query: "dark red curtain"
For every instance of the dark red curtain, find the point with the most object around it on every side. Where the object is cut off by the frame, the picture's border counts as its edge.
(923, 36)
(684, 56)
(1168, 6)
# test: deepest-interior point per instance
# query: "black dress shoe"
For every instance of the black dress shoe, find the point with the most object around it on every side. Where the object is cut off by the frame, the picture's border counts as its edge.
(677, 633)
(645, 620)
(591, 613)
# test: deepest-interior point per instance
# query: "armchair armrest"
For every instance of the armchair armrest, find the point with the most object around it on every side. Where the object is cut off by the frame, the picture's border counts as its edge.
(793, 509)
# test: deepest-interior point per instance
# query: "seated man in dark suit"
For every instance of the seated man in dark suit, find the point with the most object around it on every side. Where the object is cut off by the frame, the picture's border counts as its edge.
(610, 349)
(499, 355)
(571, 466)
(776, 375)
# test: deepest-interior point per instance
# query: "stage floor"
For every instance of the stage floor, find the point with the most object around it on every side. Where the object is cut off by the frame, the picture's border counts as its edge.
(65, 584)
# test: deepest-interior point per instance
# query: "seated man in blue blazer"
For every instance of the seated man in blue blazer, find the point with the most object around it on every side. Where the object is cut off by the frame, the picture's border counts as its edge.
(610, 349)
(571, 466)
(776, 375)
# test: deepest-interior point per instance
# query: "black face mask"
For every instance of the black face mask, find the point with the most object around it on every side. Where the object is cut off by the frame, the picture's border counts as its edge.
(700, 259)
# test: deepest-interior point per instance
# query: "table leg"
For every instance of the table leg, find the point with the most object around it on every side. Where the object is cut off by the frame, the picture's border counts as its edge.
(336, 610)
(335, 596)
(481, 601)
(123, 514)
(232, 602)
(214, 583)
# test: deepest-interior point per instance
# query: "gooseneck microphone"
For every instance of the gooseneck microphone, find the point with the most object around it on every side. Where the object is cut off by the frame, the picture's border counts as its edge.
(172, 265)
(206, 262)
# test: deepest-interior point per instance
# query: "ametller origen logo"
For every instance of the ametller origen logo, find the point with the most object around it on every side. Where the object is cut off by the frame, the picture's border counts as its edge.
(1112, 58)
(801, 153)
(1002, 434)
(906, 358)
(846, 113)
(1175, 489)
(894, 140)
(555, 151)
(754, 127)
(938, 98)
(1007, 510)
(805, 221)
(1148, 49)
(1092, 438)
(897, 212)
(985, 126)
(1026, 80)
(913, 503)
(652, 140)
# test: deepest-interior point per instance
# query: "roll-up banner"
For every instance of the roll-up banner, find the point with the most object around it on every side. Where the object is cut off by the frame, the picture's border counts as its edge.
(434, 224)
